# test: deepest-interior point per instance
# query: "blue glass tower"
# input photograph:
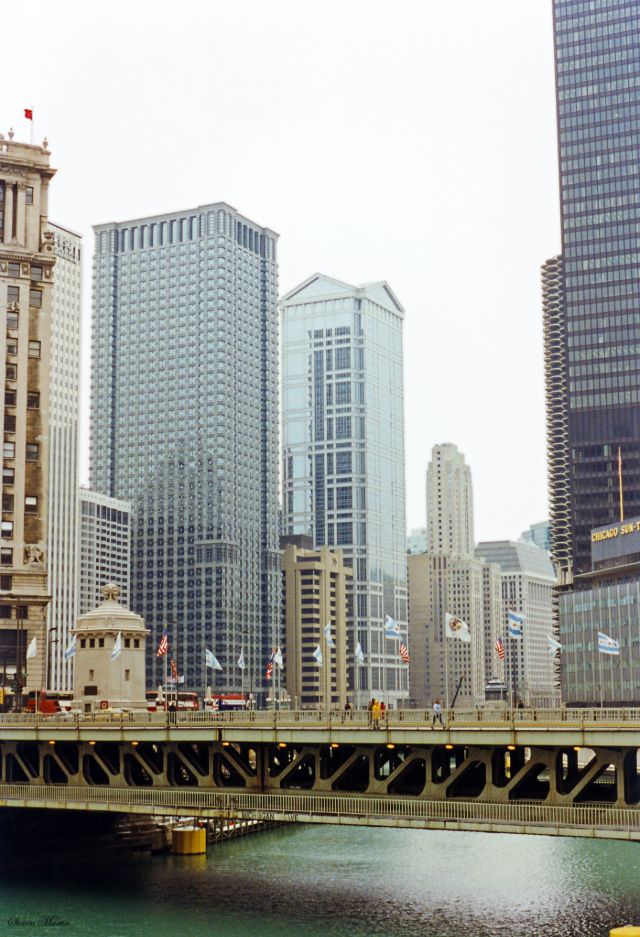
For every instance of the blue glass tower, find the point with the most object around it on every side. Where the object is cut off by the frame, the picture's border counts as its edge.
(185, 426)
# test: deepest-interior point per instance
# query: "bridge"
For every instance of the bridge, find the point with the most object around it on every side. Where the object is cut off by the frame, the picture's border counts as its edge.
(572, 772)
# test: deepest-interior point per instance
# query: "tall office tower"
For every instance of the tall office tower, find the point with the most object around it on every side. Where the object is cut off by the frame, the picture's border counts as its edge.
(417, 540)
(527, 588)
(343, 465)
(105, 548)
(185, 426)
(449, 502)
(315, 595)
(26, 285)
(538, 534)
(449, 579)
(597, 52)
(64, 399)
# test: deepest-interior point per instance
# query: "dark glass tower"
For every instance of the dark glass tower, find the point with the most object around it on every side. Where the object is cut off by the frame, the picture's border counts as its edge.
(596, 304)
(184, 424)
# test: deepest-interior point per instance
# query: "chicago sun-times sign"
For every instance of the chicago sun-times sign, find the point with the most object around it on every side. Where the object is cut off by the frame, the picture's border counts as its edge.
(615, 541)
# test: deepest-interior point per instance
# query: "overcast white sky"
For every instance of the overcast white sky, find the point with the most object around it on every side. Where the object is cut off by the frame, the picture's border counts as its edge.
(412, 141)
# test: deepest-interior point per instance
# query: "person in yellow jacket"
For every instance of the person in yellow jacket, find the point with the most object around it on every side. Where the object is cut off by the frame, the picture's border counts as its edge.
(375, 713)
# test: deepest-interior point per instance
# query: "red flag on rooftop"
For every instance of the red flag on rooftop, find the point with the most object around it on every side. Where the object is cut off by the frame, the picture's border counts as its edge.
(28, 113)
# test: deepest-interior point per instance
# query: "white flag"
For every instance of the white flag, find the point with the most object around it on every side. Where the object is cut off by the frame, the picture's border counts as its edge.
(456, 628)
(32, 650)
(277, 658)
(211, 660)
(71, 649)
(241, 660)
(359, 653)
(318, 656)
(327, 634)
(391, 627)
(117, 646)
(553, 645)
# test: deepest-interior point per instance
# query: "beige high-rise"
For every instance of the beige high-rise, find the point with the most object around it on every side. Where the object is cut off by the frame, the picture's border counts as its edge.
(315, 594)
(26, 278)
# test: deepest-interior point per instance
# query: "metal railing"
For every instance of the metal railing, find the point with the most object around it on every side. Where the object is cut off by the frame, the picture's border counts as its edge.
(298, 806)
(360, 719)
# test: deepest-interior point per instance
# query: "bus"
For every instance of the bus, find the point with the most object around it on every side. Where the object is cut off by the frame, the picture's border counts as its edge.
(225, 702)
(48, 701)
(187, 701)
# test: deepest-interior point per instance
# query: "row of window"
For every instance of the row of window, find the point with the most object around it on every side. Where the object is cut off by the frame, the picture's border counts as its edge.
(12, 348)
(32, 451)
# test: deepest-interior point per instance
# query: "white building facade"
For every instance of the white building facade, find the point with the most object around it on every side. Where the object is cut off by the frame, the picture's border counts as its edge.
(64, 401)
(105, 548)
(343, 458)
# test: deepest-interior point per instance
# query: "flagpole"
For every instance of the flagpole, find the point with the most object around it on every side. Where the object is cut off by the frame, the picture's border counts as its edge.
(597, 651)
(620, 483)
(446, 669)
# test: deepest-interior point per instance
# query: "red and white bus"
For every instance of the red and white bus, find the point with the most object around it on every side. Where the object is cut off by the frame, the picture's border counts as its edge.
(48, 701)
(186, 701)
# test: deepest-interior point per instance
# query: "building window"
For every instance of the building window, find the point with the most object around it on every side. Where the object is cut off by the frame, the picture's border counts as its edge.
(34, 349)
(12, 372)
(9, 398)
(7, 476)
(92, 642)
(35, 298)
(127, 642)
(12, 346)
(29, 195)
(7, 502)
(36, 272)
(136, 642)
(30, 504)
(9, 450)
(100, 642)
(7, 530)
(33, 452)
(6, 556)
(83, 642)
(5, 583)
(12, 320)
(127, 675)
(9, 423)
(91, 674)
(33, 399)
(14, 270)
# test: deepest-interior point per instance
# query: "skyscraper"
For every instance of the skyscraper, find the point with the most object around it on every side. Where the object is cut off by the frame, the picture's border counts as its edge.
(343, 465)
(185, 426)
(64, 396)
(449, 579)
(26, 285)
(592, 293)
(105, 548)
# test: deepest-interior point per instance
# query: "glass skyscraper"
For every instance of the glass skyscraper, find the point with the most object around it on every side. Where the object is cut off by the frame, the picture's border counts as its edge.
(185, 426)
(592, 293)
(343, 446)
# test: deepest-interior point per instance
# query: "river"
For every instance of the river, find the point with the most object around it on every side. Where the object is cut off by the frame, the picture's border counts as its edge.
(330, 881)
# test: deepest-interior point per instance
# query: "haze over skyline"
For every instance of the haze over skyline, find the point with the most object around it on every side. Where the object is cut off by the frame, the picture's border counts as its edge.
(409, 142)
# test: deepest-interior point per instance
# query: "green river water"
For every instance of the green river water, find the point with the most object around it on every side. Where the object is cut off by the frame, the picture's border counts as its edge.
(324, 881)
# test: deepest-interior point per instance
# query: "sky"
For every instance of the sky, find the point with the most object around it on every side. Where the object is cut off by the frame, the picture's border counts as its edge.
(412, 141)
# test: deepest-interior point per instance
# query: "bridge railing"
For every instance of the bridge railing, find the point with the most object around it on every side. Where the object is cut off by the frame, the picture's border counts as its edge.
(361, 719)
(297, 805)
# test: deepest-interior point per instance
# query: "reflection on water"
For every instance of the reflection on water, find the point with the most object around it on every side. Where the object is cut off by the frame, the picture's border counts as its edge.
(324, 881)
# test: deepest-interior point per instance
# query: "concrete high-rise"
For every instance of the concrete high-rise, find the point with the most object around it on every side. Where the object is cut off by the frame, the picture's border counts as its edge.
(527, 588)
(27, 261)
(343, 457)
(449, 579)
(64, 401)
(105, 548)
(185, 426)
(592, 292)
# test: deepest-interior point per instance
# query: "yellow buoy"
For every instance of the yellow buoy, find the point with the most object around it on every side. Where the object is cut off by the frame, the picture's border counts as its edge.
(189, 841)
(628, 931)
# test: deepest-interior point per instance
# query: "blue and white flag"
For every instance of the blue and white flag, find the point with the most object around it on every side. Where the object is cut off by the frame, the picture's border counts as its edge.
(117, 646)
(553, 645)
(391, 628)
(318, 656)
(327, 634)
(71, 649)
(241, 660)
(211, 660)
(359, 653)
(514, 624)
(278, 659)
(607, 645)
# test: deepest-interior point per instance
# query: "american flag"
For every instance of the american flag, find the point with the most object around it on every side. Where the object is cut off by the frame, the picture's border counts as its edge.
(404, 653)
(500, 648)
(269, 670)
(163, 647)
(174, 669)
